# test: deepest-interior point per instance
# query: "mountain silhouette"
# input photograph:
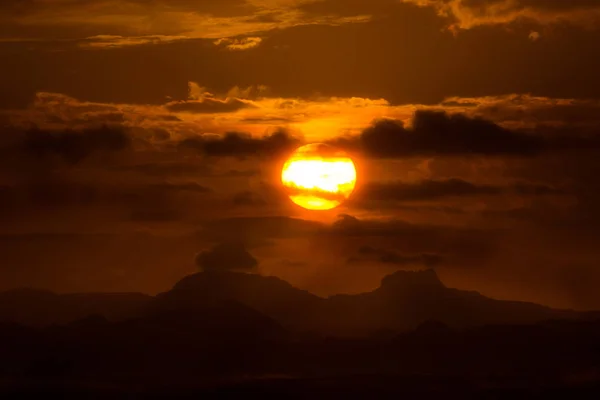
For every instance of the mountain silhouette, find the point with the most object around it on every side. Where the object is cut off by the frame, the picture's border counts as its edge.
(403, 301)
(407, 299)
(294, 308)
(227, 328)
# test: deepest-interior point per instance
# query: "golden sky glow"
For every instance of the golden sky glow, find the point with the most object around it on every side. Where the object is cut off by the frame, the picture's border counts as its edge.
(317, 179)
(174, 118)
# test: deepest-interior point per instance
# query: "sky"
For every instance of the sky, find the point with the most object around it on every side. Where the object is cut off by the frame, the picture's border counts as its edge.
(140, 138)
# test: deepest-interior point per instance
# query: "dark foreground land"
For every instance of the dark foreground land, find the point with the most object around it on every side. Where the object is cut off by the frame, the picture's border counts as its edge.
(232, 335)
(366, 387)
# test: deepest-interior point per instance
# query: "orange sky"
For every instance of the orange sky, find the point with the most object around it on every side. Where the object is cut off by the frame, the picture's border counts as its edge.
(136, 133)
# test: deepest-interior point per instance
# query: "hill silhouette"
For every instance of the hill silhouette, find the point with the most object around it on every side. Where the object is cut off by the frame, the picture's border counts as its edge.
(407, 299)
(294, 308)
(404, 300)
(228, 332)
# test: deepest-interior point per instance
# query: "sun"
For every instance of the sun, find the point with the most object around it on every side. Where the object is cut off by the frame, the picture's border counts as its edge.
(319, 177)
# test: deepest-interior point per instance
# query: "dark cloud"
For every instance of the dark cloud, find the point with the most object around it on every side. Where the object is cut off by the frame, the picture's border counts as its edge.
(438, 133)
(184, 187)
(528, 189)
(241, 145)
(48, 194)
(248, 198)
(294, 263)
(156, 215)
(408, 244)
(242, 173)
(348, 225)
(166, 169)
(248, 228)
(386, 256)
(38, 185)
(469, 245)
(226, 256)
(430, 189)
(265, 195)
(520, 213)
(158, 201)
(208, 106)
(425, 190)
(141, 199)
(408, 238)
(70, 145)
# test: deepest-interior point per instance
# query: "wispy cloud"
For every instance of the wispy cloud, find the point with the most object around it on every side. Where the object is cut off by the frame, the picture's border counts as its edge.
(105, 24)
(238, 44)
(468, 13)
(112, 41)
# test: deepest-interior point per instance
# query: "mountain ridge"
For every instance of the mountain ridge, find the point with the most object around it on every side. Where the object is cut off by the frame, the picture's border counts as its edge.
(403, 301)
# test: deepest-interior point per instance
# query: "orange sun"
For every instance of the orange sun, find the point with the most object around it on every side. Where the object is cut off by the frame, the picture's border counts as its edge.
(319, 177)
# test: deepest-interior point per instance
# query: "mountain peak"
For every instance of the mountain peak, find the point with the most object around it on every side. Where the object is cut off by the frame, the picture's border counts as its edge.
(412, 279)
(215, 280)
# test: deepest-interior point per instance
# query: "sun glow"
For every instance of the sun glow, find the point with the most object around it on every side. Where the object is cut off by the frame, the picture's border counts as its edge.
(318, 177)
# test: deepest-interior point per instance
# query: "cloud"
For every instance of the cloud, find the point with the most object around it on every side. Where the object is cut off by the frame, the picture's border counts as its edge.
(431, 189)
(439, 133)
(207, 106)
(185, 187)
(166, 169)
(104, 24)
(254, 110)
(384, 256)
(155, 215)
(113, 41)
(292, 49)
(472, 13)
(61, 192)
(534, 36)
(47, 173)
(251, 228)
(70, 145)
(519, 127)
(228, 256)
(248, 198)
(201, 101)
(239, 44)
(241, 145)
(461, 245)
(348, 224)
(425, 190)
(523, 111)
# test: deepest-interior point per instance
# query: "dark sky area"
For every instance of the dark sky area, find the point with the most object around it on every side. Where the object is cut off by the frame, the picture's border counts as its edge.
(136, 134)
